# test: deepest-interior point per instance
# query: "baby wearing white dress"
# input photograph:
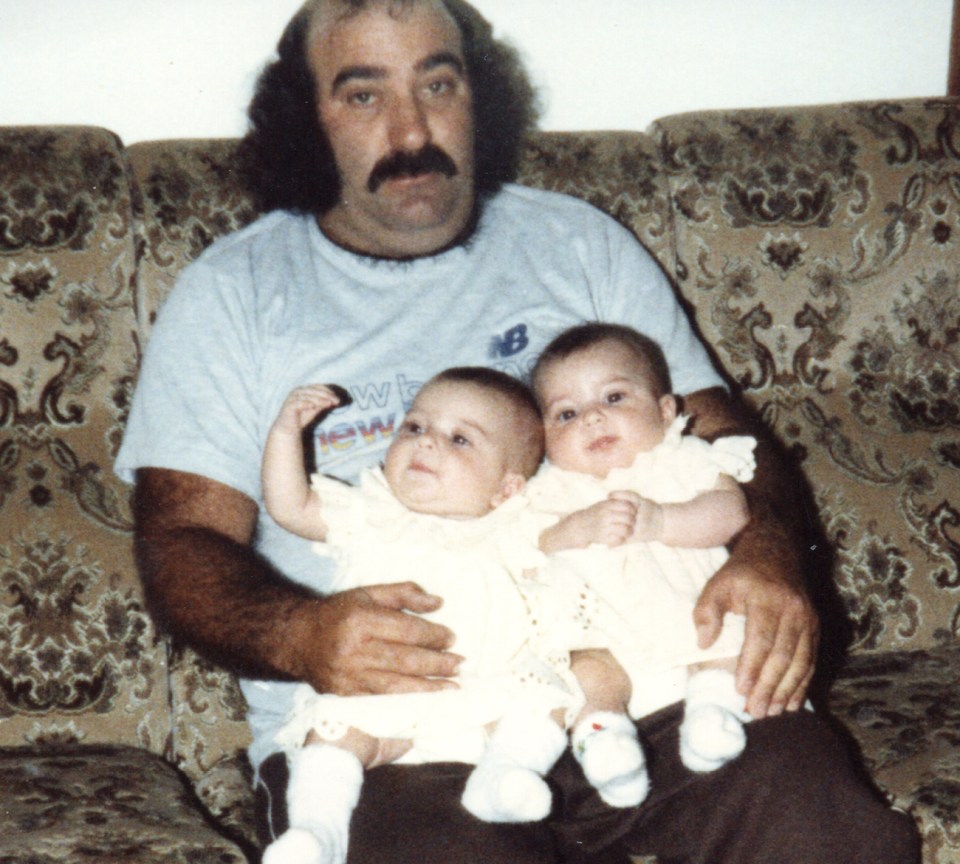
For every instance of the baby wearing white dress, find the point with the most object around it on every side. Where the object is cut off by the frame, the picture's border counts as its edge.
(644, 512)
(447, 511)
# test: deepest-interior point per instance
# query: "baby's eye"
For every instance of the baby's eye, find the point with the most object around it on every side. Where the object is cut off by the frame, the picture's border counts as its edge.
(460, 440)
(616, 396)
(411, 427)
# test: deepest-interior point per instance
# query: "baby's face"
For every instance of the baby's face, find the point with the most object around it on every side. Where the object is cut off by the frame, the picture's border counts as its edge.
(451, 456)
(600, 410)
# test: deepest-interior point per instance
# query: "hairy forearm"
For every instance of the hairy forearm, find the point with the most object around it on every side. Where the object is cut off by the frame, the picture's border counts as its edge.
(206, 586)
(771, 542)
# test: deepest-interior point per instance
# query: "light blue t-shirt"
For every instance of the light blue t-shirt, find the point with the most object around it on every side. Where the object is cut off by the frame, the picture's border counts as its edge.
(277, 305)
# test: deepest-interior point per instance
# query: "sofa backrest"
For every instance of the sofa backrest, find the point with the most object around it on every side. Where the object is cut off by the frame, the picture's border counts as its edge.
(820, 250)
(79, 658)
(817, 251)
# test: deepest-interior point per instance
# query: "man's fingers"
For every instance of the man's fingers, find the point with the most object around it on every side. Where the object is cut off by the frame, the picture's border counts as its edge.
(407, 630)
(776, 661)
(404, 595)
(708, 618)
(412, 661)
(383, 682)
(791, 692)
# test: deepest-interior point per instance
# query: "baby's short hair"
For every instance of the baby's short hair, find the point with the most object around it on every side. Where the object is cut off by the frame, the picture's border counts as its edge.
(575, 339)
(528, 449)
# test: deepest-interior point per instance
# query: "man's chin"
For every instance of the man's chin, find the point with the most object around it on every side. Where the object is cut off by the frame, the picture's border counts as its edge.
(410, 225)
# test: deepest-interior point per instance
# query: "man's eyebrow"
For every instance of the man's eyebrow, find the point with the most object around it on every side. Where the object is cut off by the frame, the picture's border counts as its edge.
(441, 58)
(375, 73)
(351, 73)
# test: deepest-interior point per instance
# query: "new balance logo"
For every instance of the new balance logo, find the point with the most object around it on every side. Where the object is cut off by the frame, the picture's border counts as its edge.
(510, 343)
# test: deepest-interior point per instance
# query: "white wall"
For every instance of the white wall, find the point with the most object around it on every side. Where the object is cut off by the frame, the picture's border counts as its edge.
(185, 68)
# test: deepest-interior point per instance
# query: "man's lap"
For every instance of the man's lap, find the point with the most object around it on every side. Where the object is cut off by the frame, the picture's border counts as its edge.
(785, 787)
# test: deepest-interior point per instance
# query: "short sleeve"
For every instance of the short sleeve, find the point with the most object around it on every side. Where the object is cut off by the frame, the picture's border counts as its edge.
(640, 295)
(195, 408)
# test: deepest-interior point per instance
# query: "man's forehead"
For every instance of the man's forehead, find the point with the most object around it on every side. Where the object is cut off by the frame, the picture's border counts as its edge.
(326, 13)
(330, 16)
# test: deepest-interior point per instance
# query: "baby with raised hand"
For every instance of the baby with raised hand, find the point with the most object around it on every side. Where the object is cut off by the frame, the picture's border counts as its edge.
(444, 511)
(644, 512)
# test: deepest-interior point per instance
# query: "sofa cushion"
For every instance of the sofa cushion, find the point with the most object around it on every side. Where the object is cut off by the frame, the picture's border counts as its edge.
(79, 659)
(902, 709)
(102, 803)
(819, 250)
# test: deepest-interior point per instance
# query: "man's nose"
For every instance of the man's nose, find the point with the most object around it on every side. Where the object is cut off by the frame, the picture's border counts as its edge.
(409, 129)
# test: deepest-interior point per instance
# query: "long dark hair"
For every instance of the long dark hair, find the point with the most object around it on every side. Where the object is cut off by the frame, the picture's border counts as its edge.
(286, 158)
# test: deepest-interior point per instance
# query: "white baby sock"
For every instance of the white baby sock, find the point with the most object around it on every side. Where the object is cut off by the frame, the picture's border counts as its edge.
(712, 732)
(322, 792)
(507, 785)
(606, 746)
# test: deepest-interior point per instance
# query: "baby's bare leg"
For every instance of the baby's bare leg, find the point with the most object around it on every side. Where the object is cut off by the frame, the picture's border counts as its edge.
(606, 687)
(604, 738)
(728, 664)
(369, 750)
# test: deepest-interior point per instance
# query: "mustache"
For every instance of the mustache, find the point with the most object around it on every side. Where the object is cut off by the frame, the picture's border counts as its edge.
(427, 160)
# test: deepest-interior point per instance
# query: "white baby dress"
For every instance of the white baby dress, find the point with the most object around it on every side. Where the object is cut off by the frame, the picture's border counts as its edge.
(645, 592)
(485, 570)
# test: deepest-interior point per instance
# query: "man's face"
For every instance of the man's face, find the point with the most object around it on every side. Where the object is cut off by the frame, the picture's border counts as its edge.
(395, 103)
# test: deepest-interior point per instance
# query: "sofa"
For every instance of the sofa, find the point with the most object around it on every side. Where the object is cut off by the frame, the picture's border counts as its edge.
(818, 251)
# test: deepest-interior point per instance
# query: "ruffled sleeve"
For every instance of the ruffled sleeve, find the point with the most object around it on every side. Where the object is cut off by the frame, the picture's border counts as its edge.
(344, 513)
(734, 455)
(684, 465)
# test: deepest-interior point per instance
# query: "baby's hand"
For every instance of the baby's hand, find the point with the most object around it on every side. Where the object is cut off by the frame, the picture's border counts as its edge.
(610, 522)
(648, 524)
(303, 405)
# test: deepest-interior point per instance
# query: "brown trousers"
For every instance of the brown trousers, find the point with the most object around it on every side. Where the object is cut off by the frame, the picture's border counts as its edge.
(795, 796)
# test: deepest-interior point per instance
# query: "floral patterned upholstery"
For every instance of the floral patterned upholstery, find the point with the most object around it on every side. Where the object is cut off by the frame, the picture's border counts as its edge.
(65, 805)
(79, 660)
(818, 251)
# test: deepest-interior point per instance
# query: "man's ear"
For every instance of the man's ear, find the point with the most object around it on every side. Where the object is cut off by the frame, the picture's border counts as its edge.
(510, 485)
(668, 408)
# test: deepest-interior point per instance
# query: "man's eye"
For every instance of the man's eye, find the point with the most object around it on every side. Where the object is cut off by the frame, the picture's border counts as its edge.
(566, 415)
(617, 396)
(438, 88)
(361, 98)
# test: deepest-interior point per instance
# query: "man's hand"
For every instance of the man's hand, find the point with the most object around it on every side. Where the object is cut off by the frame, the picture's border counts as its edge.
(782, 632)
(763, 579)
(364, 641)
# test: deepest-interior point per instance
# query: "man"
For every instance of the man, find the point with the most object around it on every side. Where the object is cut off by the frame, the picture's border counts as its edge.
(381, 139)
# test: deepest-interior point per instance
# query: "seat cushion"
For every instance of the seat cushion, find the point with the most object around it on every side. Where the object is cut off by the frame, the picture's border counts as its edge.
(102, 803)
(903, 710)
